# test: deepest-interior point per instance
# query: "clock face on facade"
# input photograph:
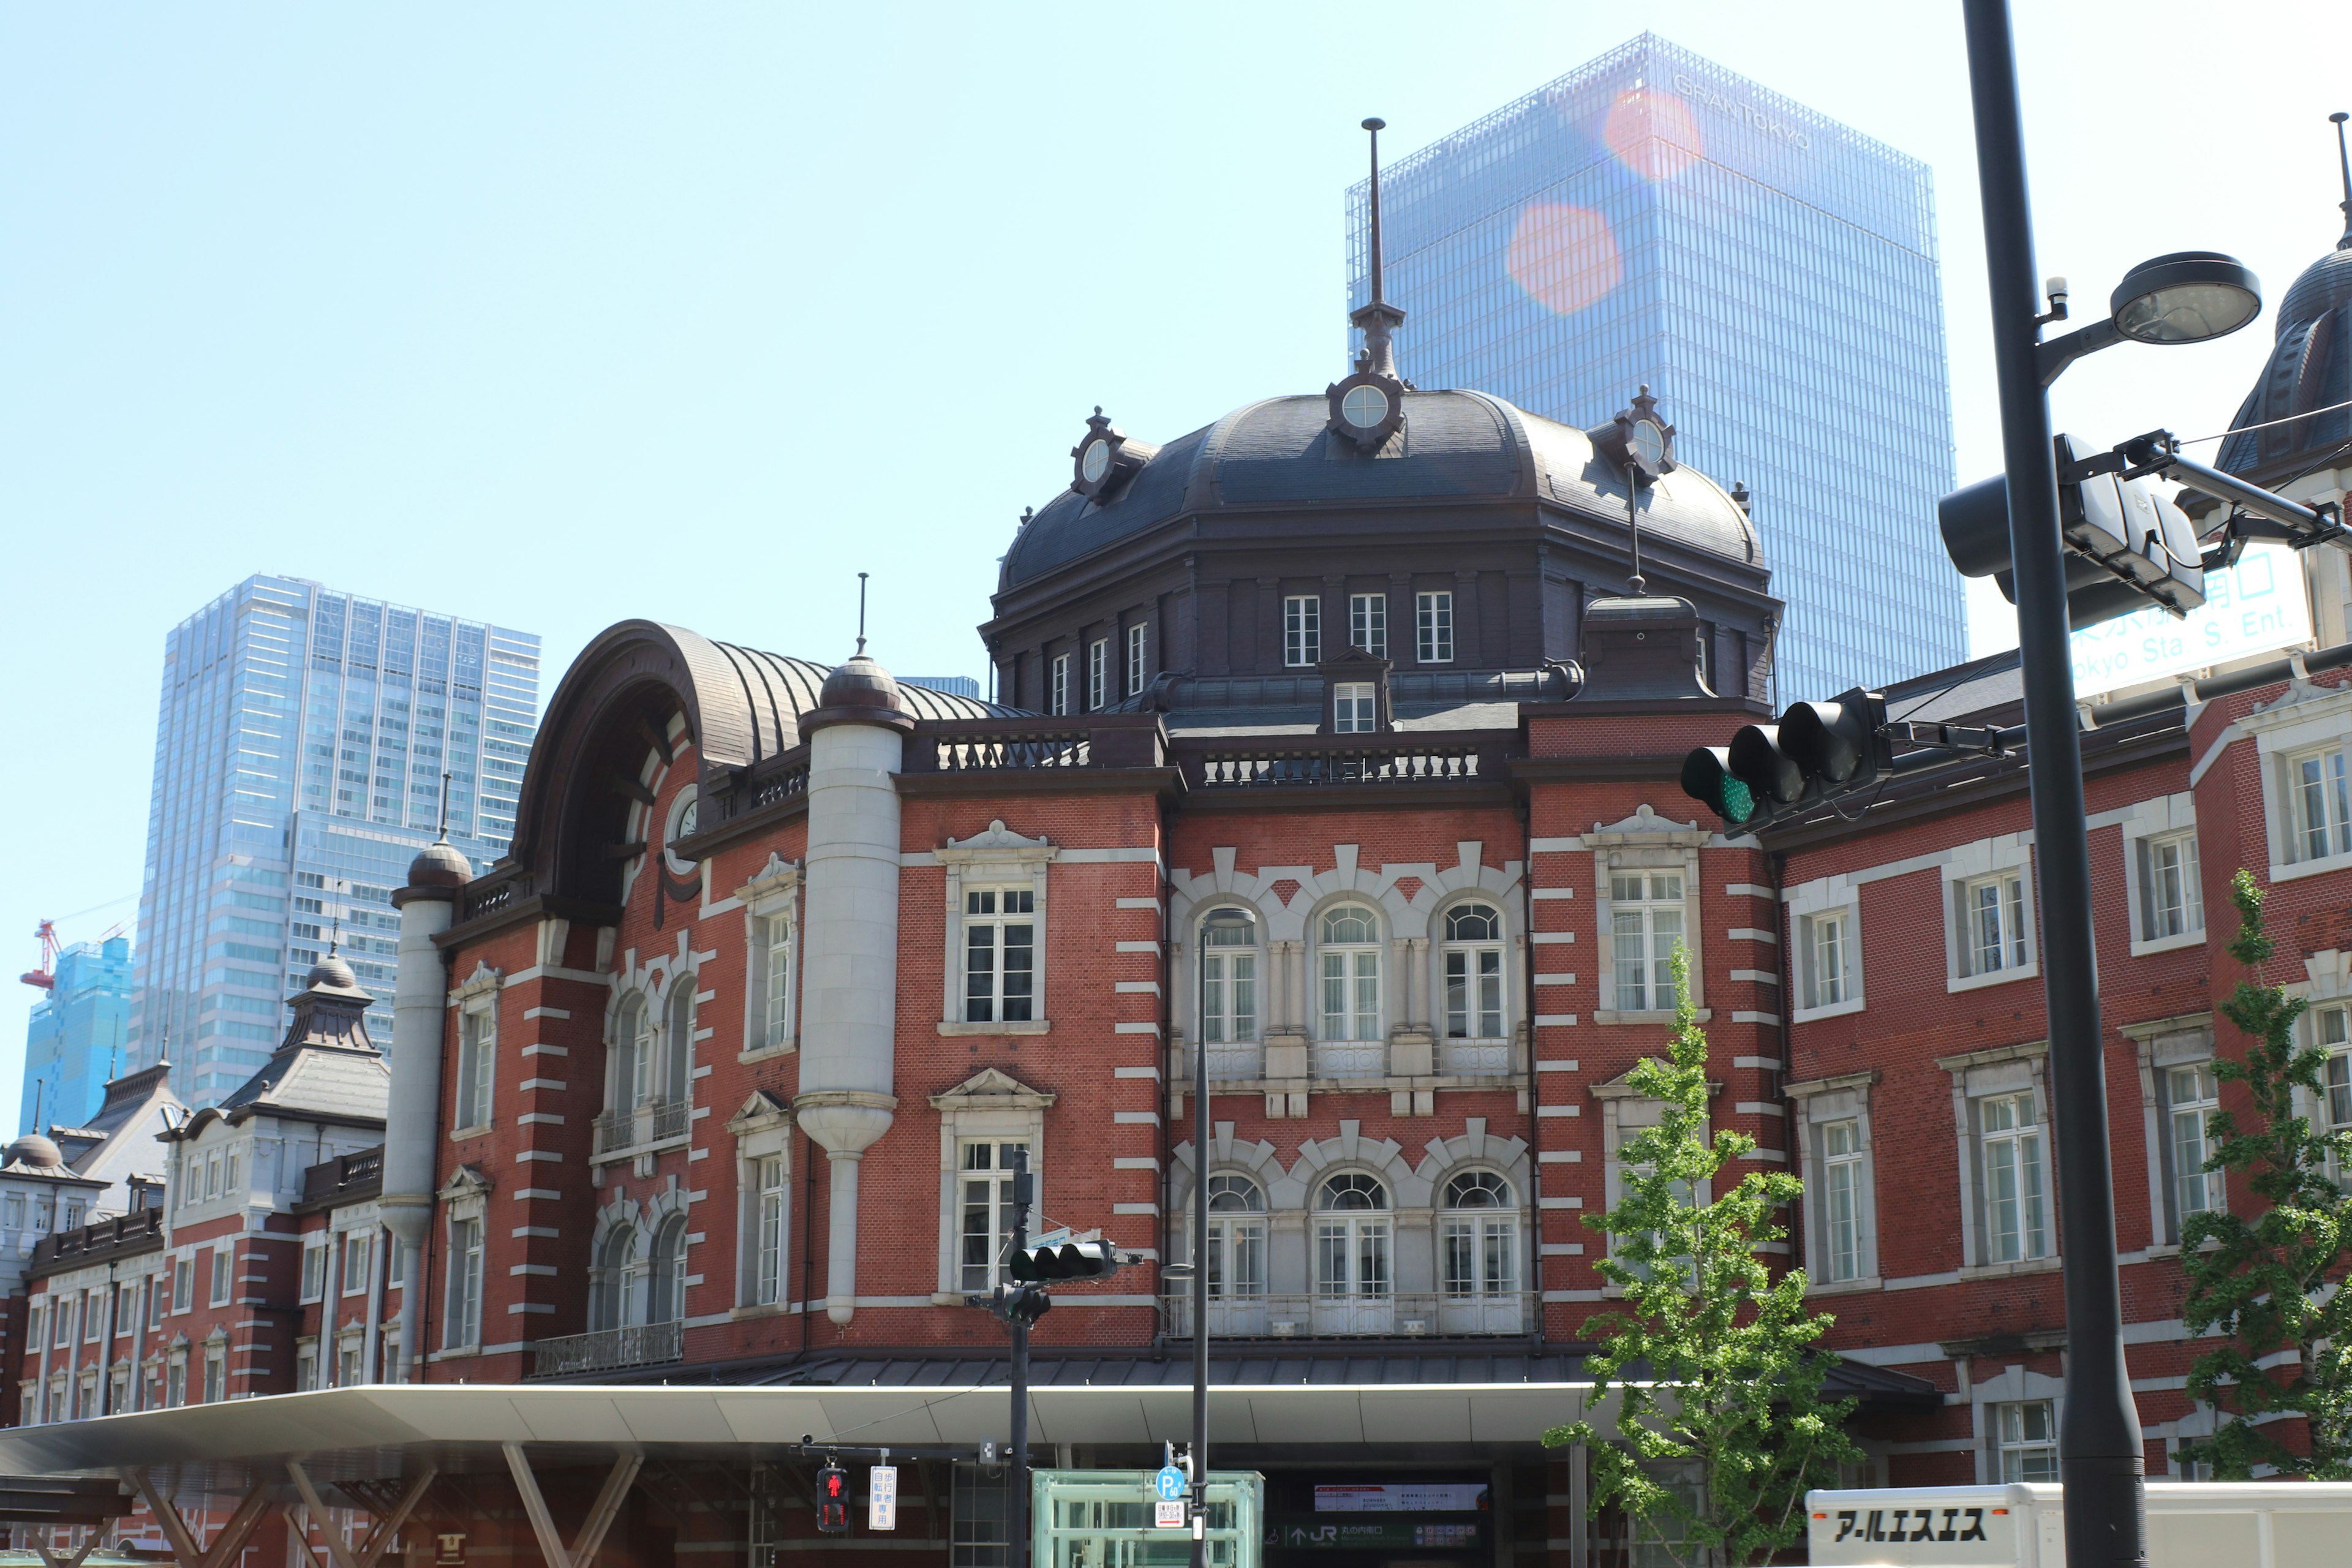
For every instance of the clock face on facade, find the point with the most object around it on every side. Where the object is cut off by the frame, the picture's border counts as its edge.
(1364, 406)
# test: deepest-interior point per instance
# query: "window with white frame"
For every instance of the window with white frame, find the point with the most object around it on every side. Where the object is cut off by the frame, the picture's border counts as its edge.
(1351, 1237)
(1472, 956)
(633, 1056)
(1842, 1189)
(1302, 630)
(1646, 923)
(477, 1050)
(1349, 956)
(358, 1253)
(314, 1269)
(158, 1299)
(118, 1389)
(767, 1214)
(2193, 1097)
(984, 1195)
(93, 1316)
(351, 1362)
(999, 955)
(224, 1268)
(183, 1284)
(462, 1323)
(1989, 915)
(775, 945)
(667, 1304)
(176, 1379)
(2318, 804)
(2332, 1031)
(1098, 673)
(1229, 967)
(1135, 651)
(74, 1206)
(215, 1374)
(2025, 1440)
(617, 1298)
(1478, 1236)
(306, 1365)
(1367, 623)
(1057, 695)
(2009, 1144)
(126, 1307)
(1433, 619)
(1825, 958)
(1355, 708)
(1236, 1237)
(2170, 901)
(677, 1041)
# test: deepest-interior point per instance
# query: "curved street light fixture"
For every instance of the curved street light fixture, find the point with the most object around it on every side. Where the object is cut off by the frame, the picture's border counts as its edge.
(2188, 297)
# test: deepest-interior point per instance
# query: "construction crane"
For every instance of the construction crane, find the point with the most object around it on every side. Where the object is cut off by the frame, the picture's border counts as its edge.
(45, 976)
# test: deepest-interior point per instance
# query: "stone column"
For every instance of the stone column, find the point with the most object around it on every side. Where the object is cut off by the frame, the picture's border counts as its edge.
(411, 1130)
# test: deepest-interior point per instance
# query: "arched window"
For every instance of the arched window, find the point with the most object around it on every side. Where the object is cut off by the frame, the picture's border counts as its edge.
(666, 1300)
(677, 1057)
(1479, 1238)
(631, 1055)
(1236, 1237)
(614, 1304)
(1473, 973)
(1352, 1238)
(1350, 965)
(1229, 992)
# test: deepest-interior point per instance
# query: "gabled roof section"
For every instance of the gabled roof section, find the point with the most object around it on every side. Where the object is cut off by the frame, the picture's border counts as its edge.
(326, 1069)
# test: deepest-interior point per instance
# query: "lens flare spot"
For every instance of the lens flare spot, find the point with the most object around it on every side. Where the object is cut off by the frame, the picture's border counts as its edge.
(1652, 133)
(1565, 257)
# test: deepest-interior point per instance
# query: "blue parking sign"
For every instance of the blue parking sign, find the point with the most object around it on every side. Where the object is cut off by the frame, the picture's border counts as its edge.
(1171, 1484)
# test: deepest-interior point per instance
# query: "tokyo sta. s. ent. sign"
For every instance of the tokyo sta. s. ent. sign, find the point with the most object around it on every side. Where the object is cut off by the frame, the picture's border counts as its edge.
(2253, 607)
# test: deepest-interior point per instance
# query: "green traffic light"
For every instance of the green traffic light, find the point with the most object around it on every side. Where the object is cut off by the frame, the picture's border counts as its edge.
(1734, 801)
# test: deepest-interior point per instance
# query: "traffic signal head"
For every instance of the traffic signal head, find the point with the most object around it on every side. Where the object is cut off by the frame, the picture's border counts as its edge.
(1838, 743)
(1013, 1303)
(1747, 781)
(1071, 1261)
(1707, 778)
(833, 1501)
(1816, 751)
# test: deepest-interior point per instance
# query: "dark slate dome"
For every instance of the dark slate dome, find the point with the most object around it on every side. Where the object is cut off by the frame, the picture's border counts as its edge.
(439, 865)
(1466, 446)
(2310, 367)
(860, 683)
(333, 973)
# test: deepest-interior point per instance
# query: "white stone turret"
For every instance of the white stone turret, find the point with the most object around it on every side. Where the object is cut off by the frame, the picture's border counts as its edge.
(849, 983)
(411, 1132)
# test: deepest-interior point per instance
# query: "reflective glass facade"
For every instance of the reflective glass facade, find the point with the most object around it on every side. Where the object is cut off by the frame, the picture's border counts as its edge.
(298, 754)
(1771, 274)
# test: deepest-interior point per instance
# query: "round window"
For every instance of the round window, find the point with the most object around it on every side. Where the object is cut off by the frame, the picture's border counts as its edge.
(1364, 406)
(1095, 462)
(683, 815)
(1649, 444)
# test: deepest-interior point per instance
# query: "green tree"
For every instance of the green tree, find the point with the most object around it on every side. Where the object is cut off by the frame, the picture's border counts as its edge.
(2267, 1282)
(1712, 1360)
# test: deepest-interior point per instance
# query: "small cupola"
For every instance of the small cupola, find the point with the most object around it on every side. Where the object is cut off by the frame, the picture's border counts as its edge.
(1105, 459)
(1368, 406)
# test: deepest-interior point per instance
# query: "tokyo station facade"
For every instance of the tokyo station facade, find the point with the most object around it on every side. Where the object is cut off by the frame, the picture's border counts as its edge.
(1341, 734)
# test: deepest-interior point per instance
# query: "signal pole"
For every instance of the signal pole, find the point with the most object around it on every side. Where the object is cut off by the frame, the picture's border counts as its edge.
(2101, 1460)
(1200, 1290)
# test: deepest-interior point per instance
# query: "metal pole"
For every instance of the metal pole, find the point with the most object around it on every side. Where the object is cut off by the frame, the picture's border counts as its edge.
(1016, 1512)
(1200, 1299)
(2101, 1461)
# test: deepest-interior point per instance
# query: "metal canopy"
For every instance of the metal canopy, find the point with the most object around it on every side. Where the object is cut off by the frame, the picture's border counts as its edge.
(381, 1431)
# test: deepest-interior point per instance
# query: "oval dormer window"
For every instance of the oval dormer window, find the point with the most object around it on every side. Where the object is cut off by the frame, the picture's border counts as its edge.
(1364, 406)
(1096, 463)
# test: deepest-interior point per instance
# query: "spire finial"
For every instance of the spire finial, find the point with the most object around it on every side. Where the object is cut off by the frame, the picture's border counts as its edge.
(2345, 159)
(1377, 317)
(444, 839)
(861, 613)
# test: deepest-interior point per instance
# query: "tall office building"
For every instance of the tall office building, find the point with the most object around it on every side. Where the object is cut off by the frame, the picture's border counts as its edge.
(78, 1036)
(1771, 274)
(299, 756)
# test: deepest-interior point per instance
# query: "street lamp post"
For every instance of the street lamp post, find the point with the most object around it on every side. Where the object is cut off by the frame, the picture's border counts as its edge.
(1200, 1299)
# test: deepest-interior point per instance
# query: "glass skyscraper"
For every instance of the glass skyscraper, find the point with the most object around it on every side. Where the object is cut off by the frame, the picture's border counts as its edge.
(1769, 273)
(299, 755)
(75, 1039)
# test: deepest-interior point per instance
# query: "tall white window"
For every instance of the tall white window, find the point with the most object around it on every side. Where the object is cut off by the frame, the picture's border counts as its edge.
(183, 1284)
(776, 980)
(1236, 1237)
(1228, 979)
(1057, 695)
(357, 1253)
(1432, 625)
(314, 1271)
(633, 1055)
(306, 1367)
(477, 1050)
(768, 1231)
(999, 955)
(678, 1060)
(1841, 1201)
(1351, 1237)
(126, 1307)
(1135, 636)
(1473, 956)
(985, 1195)
(175, 1379)
(2025, 1440)
(2170, 901)
(1992, 916)
(619, 1300)
(1355, 708)
(2015, 1220)
(215, 1374)
(2192, 1095)
(1302, 630)
(2332, 1025)
(1367, 623)
(1479, 1237)
(667, 1302)
(1646, 926)
(1350, 958)
(223, 1271)
(1828, 956)
(463, 1317)
(2319, 804)
(1098, 673)
(350, 1361)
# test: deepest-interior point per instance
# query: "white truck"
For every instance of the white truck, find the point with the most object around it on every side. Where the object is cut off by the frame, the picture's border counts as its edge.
(2190, 1524)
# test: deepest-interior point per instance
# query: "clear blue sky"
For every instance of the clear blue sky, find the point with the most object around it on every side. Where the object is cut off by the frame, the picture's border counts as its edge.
(557, 314)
